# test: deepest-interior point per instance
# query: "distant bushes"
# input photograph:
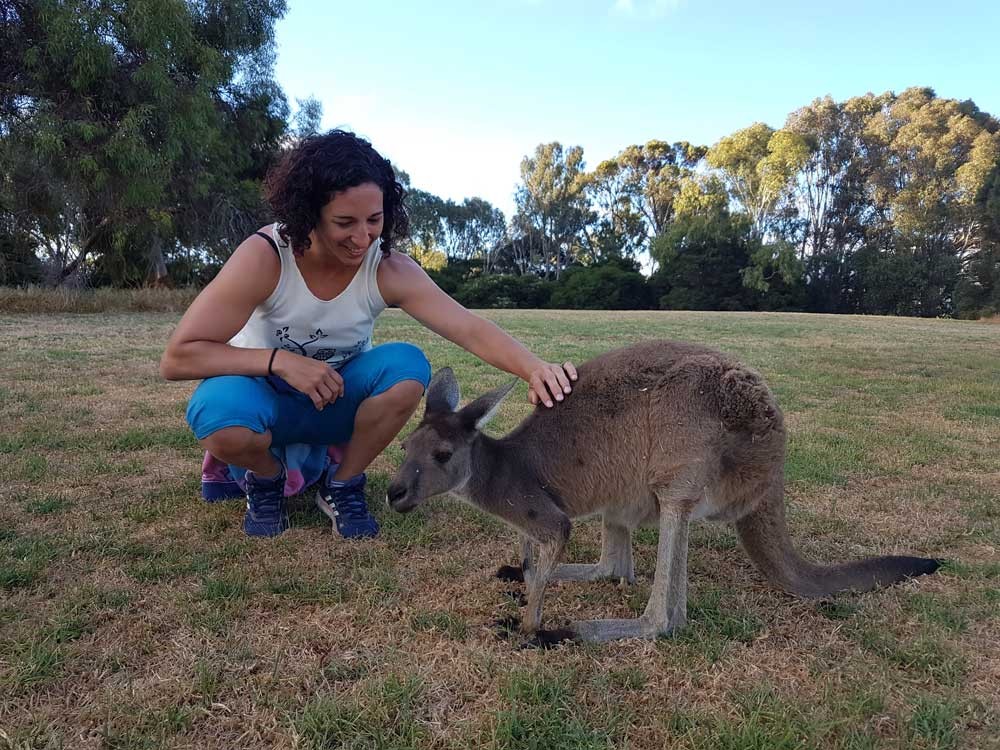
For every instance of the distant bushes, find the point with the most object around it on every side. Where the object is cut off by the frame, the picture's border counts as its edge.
(505, 291)
(28, 300)
(604, 287)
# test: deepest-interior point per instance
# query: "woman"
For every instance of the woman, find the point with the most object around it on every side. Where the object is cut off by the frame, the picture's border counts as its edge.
(282, 338)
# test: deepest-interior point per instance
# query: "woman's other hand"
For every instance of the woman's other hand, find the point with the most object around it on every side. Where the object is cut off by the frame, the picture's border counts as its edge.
(549, 382)
(313, 377)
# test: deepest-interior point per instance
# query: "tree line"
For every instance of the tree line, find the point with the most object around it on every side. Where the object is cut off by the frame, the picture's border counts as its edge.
(134, 136)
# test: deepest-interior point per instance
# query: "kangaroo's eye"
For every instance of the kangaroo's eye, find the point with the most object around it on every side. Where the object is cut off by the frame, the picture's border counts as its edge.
(442, 457)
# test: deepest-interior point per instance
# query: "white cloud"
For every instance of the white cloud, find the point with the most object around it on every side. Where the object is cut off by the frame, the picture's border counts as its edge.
(624, 6)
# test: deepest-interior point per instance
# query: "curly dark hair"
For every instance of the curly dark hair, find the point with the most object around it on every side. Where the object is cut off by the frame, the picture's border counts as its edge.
(307, 177)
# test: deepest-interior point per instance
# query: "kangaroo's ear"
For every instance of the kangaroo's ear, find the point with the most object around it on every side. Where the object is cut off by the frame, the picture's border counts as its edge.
(442, 393)
(481, 411)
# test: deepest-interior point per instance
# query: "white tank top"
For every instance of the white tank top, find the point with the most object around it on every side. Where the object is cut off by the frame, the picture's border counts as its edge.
(293, 318)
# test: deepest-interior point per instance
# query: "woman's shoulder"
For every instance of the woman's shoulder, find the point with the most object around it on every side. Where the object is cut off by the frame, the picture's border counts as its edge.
(396, 263)
(400, 276)
(397, 268)
(253, 269)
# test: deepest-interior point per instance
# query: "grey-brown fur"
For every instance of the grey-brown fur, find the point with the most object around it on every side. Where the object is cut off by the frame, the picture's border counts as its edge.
(659, 433)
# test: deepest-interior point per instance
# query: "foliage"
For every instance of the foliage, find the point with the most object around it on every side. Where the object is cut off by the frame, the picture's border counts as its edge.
(703, 257)
(455, 273)
(429, 258)
(130, 129)
(551, 206)
(19, 266)
(134, 136)
(505, 291)
(978, 289)
(635, 194)
(608, 286)
(757, 164)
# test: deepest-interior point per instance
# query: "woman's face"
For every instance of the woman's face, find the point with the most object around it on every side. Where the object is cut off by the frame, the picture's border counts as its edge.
(350, 223)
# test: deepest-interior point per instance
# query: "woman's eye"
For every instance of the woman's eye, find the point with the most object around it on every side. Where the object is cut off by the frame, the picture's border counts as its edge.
(442, 457)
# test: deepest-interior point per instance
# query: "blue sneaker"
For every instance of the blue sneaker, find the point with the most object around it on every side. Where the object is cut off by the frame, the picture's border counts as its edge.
(344, 502)
(266, 513)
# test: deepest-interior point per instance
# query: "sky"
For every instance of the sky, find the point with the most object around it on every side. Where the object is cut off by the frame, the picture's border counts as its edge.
(457, 93)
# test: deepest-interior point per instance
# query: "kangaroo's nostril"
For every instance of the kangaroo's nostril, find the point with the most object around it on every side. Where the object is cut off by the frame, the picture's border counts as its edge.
(395, 494)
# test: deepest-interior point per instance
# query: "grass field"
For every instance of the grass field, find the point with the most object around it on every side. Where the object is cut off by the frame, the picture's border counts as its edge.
(132, 615)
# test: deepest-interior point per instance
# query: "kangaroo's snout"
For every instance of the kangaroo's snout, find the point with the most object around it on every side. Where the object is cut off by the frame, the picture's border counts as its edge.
(397, 498)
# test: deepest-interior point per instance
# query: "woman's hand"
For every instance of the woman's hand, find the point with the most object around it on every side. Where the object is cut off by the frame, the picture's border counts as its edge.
(313, 377)
(548, 381)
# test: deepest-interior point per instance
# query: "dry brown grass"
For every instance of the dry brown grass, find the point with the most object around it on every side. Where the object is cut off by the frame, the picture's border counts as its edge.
(44, 300)
(134, 615)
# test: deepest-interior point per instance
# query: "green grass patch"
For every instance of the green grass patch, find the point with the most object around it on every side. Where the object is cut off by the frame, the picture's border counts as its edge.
(302, 591)
(542, 713)
(929, 655)
(712, 624)
(141, 438)
(48, 505)
(24, 558)
(449, 624)
(934, 723)
(937, 610)
(33, 664)
(386, 714)
(149, 565)
(30, 468)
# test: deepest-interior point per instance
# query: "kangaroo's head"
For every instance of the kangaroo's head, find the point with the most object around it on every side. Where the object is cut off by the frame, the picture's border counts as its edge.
(439, 452)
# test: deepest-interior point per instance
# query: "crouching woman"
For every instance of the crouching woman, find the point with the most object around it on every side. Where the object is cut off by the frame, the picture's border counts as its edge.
(282, 340)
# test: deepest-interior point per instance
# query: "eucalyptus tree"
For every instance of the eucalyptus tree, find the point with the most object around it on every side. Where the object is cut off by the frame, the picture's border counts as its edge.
(635, 192)
(757, 165)
(129, 127)
(473, 229)
(552, 208)
(935, 156)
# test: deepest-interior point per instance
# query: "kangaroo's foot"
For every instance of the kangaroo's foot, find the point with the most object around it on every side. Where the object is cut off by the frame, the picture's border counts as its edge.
(592, 572)
(510, 573)
(602, 631)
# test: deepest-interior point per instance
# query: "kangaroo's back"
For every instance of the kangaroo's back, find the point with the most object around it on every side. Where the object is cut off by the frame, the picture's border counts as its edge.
(638, 413)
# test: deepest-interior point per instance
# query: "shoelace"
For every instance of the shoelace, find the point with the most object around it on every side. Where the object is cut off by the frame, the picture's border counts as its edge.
(268, 500)
(351, 503)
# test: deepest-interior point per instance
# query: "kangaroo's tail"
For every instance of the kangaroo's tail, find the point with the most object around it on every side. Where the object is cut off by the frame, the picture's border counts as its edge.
(764, 535)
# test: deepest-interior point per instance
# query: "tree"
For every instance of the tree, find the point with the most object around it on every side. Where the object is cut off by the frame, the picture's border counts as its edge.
(757, 165)
(612, 285)
(701, 259)
(473, 229)
(934, 158)
(551, 205)
(128, 129)
(978, 290)
(425, 211)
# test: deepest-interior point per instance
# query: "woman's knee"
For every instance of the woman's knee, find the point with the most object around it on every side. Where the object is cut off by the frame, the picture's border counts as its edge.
(231, 401)
(405, 394)
(403, 358)
(232, 444)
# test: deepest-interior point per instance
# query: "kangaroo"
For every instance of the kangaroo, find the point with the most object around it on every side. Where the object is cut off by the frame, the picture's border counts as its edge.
(659, 433)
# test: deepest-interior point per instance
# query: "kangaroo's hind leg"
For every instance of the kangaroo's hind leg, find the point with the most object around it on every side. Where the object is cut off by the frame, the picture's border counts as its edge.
(615, 563)
(666, 610)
